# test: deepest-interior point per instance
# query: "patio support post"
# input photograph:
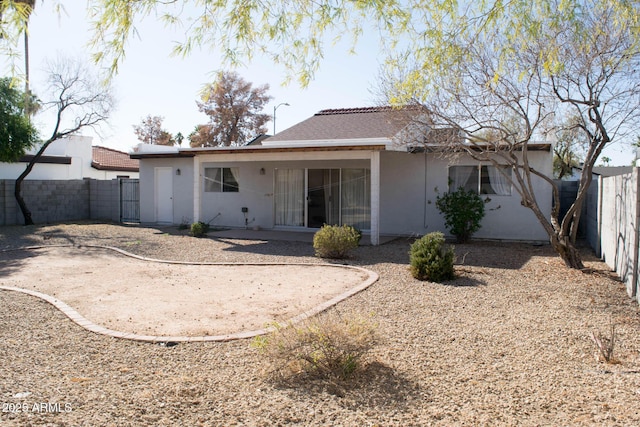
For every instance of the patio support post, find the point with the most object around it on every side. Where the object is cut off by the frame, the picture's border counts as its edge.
(375, 198)
(196, 188)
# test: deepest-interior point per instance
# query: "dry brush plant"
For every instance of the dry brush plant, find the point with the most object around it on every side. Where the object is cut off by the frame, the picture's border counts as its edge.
(329, 345)
(605, 345)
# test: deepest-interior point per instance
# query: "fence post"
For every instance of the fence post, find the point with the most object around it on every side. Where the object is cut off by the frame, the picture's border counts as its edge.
(599, 216)
(636, 234)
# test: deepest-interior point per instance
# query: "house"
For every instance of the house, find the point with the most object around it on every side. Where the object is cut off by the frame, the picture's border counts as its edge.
(74, 158)
(372, 168)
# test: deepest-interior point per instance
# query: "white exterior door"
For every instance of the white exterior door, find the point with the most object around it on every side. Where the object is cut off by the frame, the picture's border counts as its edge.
(164, 194)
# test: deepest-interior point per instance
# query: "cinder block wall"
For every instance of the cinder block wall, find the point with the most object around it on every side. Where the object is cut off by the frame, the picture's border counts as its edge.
(61, 200)
(104, 200)
(56, 200)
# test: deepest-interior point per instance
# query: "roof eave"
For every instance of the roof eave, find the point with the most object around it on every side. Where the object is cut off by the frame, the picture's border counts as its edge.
(191, 152)
(326, 142)
(98, 166)
(435, 148)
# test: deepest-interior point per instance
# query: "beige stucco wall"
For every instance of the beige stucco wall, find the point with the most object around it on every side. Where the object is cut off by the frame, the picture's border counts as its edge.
(408, 198)
(182, 189)
(407, 191)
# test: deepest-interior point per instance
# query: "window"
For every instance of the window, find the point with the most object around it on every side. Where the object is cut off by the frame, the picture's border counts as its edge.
(217, 180)
(482, 179)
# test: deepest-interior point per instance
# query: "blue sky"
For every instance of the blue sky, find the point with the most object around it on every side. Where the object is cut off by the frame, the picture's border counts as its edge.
(151, 81)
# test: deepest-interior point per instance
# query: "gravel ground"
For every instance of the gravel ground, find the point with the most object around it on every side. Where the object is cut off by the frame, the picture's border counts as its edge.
(506, 343)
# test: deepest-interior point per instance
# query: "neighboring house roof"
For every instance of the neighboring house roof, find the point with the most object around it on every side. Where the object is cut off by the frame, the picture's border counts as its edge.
(351, 123)
(113, 160)
(611, 170)
(258, 139)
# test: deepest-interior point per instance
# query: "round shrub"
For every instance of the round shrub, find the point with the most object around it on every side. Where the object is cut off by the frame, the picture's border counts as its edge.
(333, 241)
(430, 260)
(463, 210)
(199, 229)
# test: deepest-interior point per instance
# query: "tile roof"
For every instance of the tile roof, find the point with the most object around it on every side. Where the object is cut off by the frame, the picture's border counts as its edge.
(351, 123)
(109, 159)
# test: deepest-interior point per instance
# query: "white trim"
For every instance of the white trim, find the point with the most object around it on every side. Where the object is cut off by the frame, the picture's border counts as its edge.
(197, 189)
(375, 199)
(326, 142)
(305, 198)
(285, 156)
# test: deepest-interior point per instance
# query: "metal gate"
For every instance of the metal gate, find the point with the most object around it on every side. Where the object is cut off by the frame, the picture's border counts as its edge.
(129, 200)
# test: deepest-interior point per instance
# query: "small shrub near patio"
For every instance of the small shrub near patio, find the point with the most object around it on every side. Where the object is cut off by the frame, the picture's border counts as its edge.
(430, 260)
(199, 229)
(326, 346)
(463, 210)
(333, 241)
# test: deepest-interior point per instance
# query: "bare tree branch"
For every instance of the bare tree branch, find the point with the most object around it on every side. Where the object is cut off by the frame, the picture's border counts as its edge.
(79, 102)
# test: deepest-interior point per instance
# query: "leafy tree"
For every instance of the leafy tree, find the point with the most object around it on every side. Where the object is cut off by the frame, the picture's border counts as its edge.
(14, 19)
(569, 146)
(17, 14)
(30, 5)
(605, 161)
(179, 138)
(234, 107)
(17, 134)
(290, 33)
(201, 136)
(78, 102)
(578, 60)
(150, 131)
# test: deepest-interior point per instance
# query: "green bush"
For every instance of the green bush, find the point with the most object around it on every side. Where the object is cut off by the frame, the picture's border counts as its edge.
(326, 346)
(430, 260)
(333, 241)
(463, 210)
(199, 229)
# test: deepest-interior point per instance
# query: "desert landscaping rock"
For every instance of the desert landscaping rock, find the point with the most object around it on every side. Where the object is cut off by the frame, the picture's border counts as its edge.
(506, 343)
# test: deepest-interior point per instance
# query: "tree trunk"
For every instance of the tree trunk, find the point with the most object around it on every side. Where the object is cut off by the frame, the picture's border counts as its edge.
(567, 251)
(26, 213)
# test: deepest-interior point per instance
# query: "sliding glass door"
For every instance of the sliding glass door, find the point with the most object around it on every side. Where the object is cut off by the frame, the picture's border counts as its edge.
(356, 198)
(314, 197)
(323, 200)
(289, 197)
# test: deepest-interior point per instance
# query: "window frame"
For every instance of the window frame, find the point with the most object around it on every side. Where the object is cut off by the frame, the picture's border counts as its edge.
(225, 185)
(482, 180)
